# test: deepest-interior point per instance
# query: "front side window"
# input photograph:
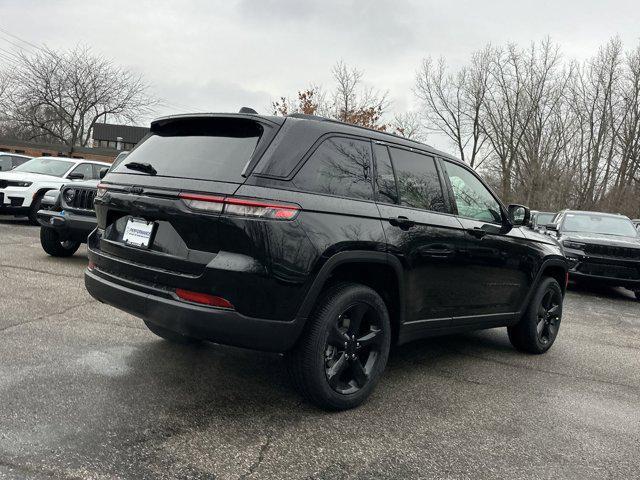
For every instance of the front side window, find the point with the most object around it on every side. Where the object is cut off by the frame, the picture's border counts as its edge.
(45, 166)
(418, 181)
(339, 166)
(472, 198)
(83, 169)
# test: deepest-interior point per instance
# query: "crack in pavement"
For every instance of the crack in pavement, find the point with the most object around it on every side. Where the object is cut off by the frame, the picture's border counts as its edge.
(40, 271)
(552, 372)
(46, 316)
(264, 447)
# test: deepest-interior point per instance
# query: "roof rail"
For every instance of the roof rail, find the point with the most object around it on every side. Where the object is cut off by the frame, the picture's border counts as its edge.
(340, 122)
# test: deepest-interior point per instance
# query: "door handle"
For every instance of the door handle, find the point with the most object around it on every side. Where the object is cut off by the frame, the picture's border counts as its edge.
(476, 232)
(403, 222)
(437, 250)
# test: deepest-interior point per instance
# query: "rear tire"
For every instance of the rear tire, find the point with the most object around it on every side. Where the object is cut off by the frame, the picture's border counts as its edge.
(51, 243)
(344, 349)
(538, 328)
(170, 335)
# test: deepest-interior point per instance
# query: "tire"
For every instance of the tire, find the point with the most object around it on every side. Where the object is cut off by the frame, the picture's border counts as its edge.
(51, 243)
(339, 359)
(538, 328)
(170, 335)
(33, 210)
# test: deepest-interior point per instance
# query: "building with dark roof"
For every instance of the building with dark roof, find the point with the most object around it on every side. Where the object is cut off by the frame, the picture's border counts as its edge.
(119, 137)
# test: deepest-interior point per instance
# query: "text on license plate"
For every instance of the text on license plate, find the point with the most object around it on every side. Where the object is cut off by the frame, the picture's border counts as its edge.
(138, 232)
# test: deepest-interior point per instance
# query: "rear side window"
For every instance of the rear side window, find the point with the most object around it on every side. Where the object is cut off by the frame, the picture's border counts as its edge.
(385, 178)
(5, 163)
(200, 148)
(418, 181)
(340, 166)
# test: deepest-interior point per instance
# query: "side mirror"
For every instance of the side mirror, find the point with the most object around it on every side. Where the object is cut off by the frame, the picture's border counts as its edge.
(75, 176)
(519, 215)
(552, 227)
(103, 172)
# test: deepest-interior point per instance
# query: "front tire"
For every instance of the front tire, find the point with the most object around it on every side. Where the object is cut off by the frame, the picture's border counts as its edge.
(538, 328)
(170, 335)
(340, 357)
(54, 246)
(33, 210)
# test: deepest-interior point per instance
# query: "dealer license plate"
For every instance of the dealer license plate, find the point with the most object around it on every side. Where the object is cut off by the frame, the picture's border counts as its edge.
(138, 232)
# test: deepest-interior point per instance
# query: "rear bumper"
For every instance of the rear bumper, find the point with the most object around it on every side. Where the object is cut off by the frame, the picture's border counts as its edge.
(68, 225)
(218, 325)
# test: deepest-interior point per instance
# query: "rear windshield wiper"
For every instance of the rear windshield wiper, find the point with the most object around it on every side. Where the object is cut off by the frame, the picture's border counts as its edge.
(141, 167)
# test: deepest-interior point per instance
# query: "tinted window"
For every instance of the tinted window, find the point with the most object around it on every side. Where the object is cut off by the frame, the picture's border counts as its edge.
(385, 178)
(418, 181)
(472, 198)
(203, 148)
(339, 166)
(85, 169)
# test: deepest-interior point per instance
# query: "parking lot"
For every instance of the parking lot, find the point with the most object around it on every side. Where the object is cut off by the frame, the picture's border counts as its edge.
(87, 392)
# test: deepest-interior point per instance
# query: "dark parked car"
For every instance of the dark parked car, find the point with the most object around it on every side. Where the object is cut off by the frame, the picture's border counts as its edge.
(323, 240)
(600, 247)
(67, 218)
(539, 220)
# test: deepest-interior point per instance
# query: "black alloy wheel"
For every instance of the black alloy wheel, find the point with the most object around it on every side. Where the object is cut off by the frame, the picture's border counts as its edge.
(353, 347)
(344, 348)
(549, 316)
(538, 327)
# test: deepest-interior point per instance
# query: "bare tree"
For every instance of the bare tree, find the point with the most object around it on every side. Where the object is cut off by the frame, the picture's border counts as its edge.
(408, 125)
(61, 96)
(451, 103)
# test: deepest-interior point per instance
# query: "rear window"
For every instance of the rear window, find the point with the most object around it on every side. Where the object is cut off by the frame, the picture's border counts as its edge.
(203, 148)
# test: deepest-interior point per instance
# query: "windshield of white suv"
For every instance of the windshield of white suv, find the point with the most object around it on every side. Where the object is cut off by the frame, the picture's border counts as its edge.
(603, 224)
(45, 166)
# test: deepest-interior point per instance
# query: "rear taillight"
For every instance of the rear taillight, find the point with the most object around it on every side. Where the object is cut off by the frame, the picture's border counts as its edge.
(102, 189)
(241, 206)
(203, 298)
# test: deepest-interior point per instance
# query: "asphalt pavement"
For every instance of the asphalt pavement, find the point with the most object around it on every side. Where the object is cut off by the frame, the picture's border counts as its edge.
(86, 391)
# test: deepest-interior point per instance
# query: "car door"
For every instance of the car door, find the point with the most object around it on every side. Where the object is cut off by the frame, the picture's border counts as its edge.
(421, 232)
(499, 259)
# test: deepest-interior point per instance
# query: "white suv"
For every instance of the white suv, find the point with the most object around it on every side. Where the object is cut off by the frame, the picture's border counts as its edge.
(22, 189)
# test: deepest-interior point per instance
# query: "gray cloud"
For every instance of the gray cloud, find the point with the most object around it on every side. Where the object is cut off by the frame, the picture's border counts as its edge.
(220, 55)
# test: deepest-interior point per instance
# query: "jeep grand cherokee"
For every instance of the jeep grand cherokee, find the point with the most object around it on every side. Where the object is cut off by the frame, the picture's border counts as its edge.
(326, 241)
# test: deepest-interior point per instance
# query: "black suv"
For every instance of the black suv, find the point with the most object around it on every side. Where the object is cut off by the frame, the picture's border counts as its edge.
(326, 241)
(600, 247)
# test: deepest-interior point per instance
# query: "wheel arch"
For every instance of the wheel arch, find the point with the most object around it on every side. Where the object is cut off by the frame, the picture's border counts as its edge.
(378, 270)
(553, 267)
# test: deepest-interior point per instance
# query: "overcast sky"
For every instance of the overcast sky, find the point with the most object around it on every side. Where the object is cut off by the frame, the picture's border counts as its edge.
(221, 55)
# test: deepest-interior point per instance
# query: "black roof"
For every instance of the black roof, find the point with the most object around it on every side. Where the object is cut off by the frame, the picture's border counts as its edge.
(320, 123)
(111, 132)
